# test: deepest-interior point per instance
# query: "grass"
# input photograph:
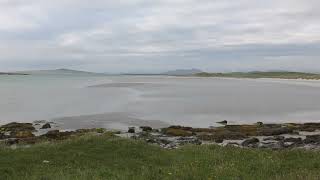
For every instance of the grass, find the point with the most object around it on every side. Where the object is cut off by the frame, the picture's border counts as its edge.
(105, 157)
(258, 74)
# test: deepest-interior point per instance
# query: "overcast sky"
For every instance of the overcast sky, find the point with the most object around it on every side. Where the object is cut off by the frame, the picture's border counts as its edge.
(159, 35)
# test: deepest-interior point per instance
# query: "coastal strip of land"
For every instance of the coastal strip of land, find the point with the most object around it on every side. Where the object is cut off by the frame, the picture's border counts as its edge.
(261, 74)
(11, 73)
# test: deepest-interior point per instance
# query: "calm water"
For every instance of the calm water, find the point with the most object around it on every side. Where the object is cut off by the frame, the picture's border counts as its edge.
(119, 101)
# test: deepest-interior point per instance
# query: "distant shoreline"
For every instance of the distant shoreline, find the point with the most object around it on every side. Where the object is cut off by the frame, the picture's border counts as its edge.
(19, 74)
(260, 75)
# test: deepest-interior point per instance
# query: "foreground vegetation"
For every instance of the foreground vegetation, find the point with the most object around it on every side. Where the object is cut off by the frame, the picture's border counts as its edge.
(258, 74)
(108, 157)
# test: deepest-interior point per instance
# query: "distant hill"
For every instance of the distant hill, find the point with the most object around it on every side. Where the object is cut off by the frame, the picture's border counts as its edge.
(12, 73)
(60, 72)
(262, 74)
(183, 72)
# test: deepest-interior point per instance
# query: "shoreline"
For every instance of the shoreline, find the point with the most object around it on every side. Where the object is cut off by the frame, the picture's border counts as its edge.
(258, 136)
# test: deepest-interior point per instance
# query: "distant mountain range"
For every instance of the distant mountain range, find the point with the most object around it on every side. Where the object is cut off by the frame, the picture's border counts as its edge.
(183, 72)
(12, 73)
(59, 72)
(178, 72)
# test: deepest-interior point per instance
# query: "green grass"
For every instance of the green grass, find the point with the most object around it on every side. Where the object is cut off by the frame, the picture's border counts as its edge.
(258, 74)
(106, 157)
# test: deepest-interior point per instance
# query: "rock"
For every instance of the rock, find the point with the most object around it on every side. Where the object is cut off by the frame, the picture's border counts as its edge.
(274, 131)
(100, 130)
(252, 142)
(310, 127)
(219, 136)
(259, 123)
(11, 141)
(274, 138)
(247, 130)
(146, 128)
(224, 122)
(188, 140)
(272, 145)
(181, 127)
(132, 130)
(177, 132)
(57, 135)
(46, 126)
(15, 127)
(312, 139)
(22, 134)
(232, 144)
(294, 140)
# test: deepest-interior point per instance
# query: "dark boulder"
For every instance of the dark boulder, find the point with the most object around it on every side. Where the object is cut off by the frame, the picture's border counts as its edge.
(252, 142)
(46, 126)
(224, 122)
(131, 130)
(294, 140)
(146, 128)
(259, 123)
(11, 141)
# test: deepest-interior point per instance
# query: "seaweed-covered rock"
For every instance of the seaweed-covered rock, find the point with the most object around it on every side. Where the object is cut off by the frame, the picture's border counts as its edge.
(247, 130)
(15, 127)
(252, 142)
(310, 127)
(312, 139)
(22, 134)
(177, 132)
(219, 136)
(57, 135)
(274, 131)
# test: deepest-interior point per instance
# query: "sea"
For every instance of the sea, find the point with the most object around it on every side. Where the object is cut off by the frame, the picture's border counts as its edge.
(119, 101)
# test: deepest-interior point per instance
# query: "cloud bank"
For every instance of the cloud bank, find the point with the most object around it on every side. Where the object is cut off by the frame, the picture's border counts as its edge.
(159, 35)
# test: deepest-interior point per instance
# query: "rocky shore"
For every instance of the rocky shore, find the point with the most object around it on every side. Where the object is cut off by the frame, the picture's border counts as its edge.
(259, 135)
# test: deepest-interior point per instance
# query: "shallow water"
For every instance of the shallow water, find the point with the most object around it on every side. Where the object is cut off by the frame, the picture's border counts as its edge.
(118, 101)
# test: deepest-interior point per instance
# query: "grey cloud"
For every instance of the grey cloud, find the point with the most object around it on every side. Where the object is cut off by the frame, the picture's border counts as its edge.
(141, 35)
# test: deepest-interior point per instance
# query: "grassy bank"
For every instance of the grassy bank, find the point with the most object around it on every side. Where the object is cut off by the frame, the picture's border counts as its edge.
(257, 74)
(106, 157)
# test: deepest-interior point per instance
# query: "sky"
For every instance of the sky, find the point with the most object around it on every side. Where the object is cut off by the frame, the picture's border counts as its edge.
(160, 35)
